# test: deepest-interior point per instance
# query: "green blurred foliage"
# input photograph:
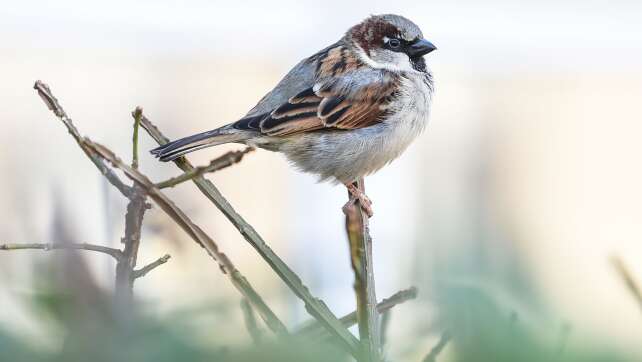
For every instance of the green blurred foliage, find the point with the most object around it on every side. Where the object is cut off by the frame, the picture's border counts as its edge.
(480, 330)
(73, 308)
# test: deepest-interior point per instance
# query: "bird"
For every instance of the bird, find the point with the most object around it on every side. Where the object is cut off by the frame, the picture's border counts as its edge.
(344, 112)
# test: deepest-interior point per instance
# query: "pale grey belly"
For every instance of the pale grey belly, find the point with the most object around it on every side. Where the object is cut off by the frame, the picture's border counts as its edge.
(342, 156)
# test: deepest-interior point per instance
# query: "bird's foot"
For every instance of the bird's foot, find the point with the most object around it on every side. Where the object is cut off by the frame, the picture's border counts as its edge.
(358, 195)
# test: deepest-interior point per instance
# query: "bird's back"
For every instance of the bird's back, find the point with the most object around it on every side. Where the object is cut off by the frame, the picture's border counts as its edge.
(302, 76)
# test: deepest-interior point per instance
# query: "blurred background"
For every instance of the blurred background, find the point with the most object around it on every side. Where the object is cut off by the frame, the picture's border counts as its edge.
(526, 181)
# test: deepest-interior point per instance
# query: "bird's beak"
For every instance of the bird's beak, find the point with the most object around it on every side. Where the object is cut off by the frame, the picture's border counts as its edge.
(420, 48)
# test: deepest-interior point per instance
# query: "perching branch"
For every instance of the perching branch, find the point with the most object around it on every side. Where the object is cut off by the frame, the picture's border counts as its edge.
(361, 261)
(151, 266)
(314, 306)
(219, 163)
(115, 253)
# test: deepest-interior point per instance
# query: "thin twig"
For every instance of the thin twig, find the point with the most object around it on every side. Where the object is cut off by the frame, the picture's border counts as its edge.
(361, 261)
(138, 112)
(250, 321)
(314, 306)
(52, 103)
(434, 352)
(219, 163)
(99, 153)
(115, 253)
(628, 279)
(139, 273)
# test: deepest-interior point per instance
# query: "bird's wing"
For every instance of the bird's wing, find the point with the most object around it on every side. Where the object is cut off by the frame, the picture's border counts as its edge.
(342, 95)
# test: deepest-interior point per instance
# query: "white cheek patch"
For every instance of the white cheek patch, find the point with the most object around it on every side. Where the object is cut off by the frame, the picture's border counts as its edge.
(401, 61)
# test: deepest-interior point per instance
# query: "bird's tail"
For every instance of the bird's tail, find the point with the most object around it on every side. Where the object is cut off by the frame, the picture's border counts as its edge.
(175, 149)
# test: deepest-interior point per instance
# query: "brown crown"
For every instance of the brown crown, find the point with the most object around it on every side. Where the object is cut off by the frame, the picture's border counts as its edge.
(369, 34)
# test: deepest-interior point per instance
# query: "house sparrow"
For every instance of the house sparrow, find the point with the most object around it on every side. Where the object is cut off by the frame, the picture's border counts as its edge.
(343, 113)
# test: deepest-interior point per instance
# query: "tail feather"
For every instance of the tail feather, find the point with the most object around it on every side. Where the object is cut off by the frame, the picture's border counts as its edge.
(175, 149)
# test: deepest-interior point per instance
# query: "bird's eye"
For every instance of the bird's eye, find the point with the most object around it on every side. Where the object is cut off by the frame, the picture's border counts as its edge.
(394, 43)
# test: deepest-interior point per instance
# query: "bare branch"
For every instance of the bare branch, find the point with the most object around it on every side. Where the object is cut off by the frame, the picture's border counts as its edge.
(115, 253)
(250, 321)
(314, 306)
(52, 103)
(195, 232)
(350, 319)
(98, 152)
(151, 266)
(628, 279)
(364, 288)
(436, 350)
(219, 163)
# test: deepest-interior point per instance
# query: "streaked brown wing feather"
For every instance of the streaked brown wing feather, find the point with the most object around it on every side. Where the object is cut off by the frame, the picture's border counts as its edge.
(329, 103)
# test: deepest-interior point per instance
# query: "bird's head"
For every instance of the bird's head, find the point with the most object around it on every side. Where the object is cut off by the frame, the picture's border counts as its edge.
(390, 42)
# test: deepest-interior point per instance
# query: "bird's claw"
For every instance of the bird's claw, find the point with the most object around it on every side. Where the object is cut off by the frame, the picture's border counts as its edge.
(358, 195)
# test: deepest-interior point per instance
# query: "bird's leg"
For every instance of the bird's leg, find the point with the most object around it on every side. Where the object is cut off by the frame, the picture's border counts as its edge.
(357, 194)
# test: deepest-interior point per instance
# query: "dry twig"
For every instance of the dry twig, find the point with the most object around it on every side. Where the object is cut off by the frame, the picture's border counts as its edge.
(97, 153)
(219, 163)
(115, 253)
(138, 112)
(139, 273)
(52, 103)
